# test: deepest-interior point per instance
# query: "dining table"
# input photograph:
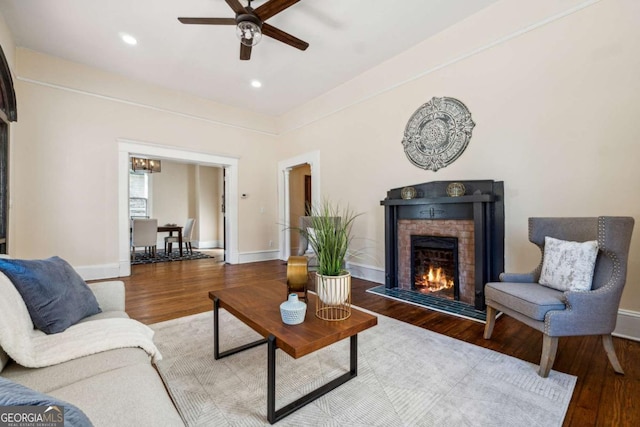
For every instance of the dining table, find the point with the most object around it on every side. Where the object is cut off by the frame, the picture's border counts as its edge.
(171, 228)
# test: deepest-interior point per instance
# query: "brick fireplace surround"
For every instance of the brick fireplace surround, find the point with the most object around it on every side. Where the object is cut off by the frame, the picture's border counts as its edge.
(476, 219)
(461, 229)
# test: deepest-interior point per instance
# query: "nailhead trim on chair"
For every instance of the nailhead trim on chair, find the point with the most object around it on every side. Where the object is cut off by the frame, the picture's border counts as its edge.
(615, 276)
(602, 237)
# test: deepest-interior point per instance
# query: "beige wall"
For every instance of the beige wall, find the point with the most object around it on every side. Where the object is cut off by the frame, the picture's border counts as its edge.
(173, 193)
(555, 107)
(7, 43)
(182, 191)
(65, 157)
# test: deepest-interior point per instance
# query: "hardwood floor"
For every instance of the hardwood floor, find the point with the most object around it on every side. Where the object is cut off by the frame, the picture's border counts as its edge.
(165, 291)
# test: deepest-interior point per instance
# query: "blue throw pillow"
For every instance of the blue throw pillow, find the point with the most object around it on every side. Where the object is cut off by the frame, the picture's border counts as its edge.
(13, 394)
(55, 295)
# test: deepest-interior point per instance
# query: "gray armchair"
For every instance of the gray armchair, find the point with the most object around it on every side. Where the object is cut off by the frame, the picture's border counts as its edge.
(571, 313)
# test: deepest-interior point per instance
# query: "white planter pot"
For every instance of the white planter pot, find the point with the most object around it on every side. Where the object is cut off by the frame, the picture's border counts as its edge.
(333, 290)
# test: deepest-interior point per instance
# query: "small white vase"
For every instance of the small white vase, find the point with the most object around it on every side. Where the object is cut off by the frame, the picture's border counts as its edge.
(292, 310)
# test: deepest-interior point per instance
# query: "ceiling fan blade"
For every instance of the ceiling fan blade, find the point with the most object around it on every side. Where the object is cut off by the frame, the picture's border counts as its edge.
(245, 52)
(275, 33)
(236, 6)
(208, 21)
(273, 7)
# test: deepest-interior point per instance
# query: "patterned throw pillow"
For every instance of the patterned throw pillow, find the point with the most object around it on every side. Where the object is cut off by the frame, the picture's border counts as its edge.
(568, 266)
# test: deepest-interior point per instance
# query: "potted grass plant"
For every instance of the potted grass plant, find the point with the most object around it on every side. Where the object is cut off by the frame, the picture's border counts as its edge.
(329, 234)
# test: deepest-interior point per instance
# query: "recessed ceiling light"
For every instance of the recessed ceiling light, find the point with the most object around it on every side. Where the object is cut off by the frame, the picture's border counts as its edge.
(256, 83)
(129, 39)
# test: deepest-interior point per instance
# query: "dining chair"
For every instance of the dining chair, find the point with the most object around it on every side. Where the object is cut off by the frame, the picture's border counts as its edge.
(187, 237)
(144, 233)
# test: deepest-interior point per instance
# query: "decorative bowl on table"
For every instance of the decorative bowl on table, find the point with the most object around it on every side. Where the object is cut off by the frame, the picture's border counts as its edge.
(293, 310)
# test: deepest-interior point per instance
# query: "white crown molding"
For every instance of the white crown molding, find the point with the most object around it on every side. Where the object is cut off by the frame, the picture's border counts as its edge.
(421, 74)
(141, 105)
(285, 129)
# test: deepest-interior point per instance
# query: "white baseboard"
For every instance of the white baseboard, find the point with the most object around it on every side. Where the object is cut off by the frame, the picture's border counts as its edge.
(628, 325)
(366, 272)
(95, 272)
(207, 244)
(257, 256)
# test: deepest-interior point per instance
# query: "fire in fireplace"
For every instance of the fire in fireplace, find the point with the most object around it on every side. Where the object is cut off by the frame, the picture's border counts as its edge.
(434, 266)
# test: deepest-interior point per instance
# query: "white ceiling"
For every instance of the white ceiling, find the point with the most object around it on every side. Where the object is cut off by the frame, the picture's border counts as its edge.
(346, 38)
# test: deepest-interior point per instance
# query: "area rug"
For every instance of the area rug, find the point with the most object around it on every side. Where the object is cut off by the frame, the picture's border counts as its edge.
(162, 256)
(407, 376)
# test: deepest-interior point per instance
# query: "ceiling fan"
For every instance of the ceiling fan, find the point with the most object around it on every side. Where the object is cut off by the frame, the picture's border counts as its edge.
(250, 25)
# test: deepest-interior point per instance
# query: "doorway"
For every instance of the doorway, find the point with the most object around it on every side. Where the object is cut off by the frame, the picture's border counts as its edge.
(173, 193)
(300, 200)
(129, 148)
(285, 168)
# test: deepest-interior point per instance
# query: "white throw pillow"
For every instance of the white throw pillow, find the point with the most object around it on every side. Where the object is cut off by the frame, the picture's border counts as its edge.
(311, 233)
(568, 266)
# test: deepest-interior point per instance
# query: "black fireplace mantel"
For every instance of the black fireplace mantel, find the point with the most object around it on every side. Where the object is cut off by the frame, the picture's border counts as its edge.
(483, 202)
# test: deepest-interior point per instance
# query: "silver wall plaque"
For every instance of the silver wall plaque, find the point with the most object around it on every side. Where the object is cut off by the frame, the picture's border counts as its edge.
(437, 133)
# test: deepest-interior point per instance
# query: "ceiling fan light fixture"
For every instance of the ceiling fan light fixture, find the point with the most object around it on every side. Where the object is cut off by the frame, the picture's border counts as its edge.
(249, 30)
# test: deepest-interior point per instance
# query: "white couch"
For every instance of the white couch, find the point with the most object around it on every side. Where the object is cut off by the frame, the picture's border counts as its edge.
(113, 388)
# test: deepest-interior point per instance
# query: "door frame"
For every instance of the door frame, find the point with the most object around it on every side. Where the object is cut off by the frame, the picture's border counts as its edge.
(127, 148)
(284, 167)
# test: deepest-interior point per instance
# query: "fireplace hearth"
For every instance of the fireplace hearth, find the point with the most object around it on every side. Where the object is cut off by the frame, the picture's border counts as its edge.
(475, 221)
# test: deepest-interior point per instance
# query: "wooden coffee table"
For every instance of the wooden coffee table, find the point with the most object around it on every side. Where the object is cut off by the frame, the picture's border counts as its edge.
(258, 306)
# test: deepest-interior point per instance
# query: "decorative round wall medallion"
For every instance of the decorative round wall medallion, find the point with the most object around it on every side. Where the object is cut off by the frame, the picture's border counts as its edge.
(408, 193)
(437, 133)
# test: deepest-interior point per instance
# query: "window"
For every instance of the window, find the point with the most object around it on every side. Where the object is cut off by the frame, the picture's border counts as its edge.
(138, 195)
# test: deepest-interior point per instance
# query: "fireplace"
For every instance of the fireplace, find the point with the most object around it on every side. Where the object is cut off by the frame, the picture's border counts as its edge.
(474, 220)
(434, 266)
